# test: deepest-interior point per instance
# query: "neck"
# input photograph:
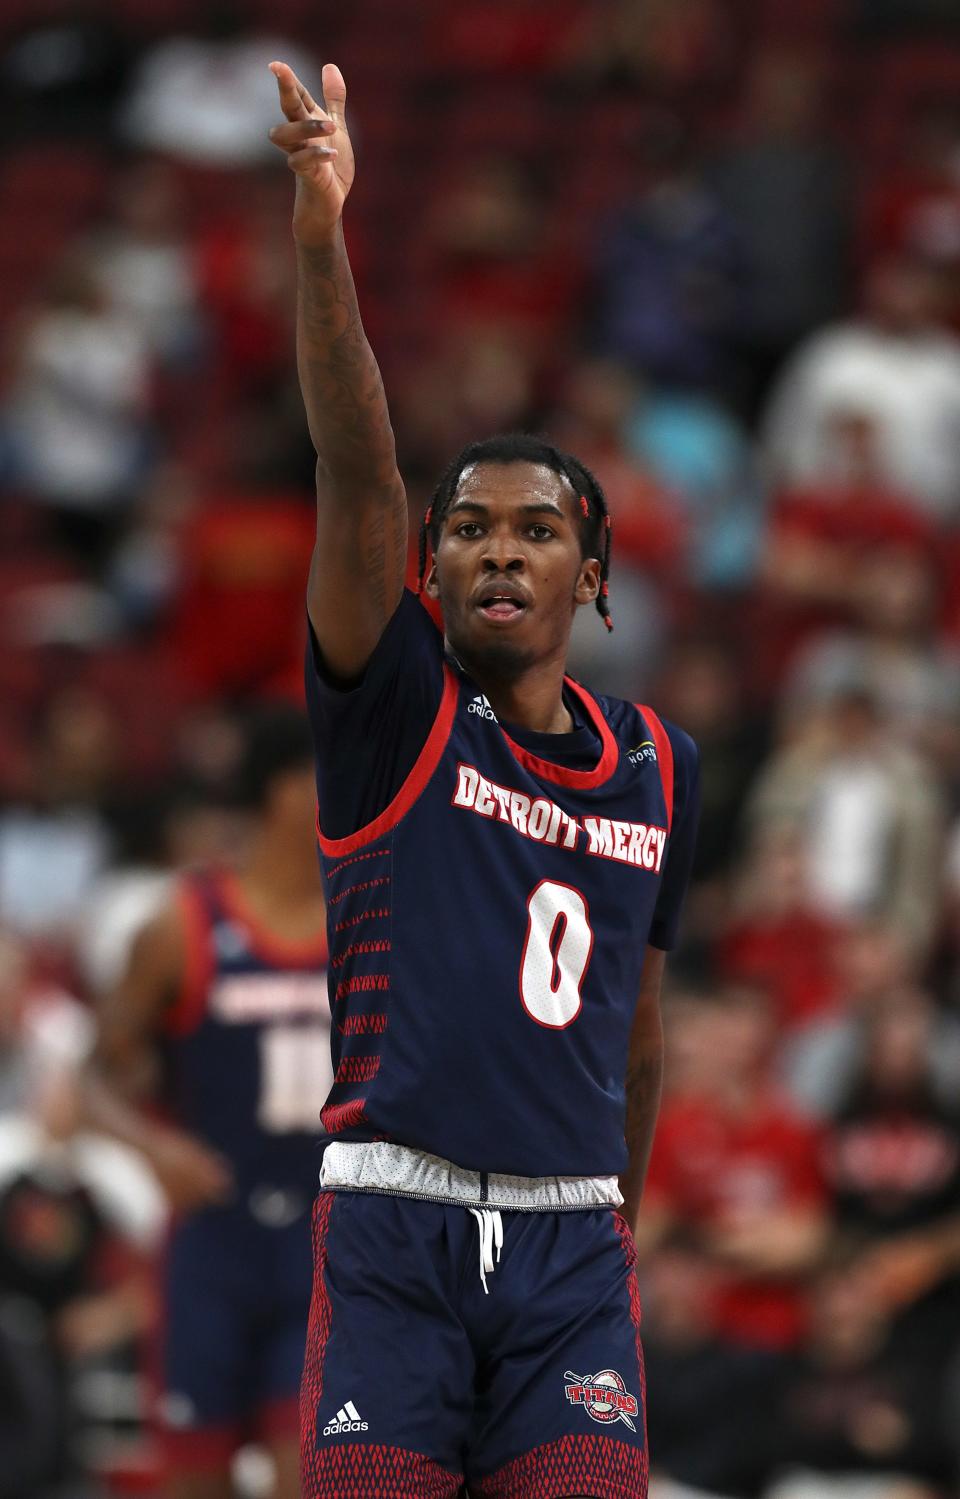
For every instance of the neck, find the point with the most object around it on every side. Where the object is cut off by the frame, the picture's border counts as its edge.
(288, 874)
(530, 698)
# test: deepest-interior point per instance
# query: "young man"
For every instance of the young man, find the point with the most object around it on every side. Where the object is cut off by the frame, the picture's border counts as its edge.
(224, 1010)
(504, 858)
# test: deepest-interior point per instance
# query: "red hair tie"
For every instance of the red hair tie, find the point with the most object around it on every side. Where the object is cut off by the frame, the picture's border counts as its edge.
(584, 506)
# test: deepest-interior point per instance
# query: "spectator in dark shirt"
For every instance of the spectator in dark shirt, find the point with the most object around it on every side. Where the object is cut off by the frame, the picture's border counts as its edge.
(670, 272)
(855, 1415)
(709, 1403)
(783, 185)
(893, 1161)
(701, 685)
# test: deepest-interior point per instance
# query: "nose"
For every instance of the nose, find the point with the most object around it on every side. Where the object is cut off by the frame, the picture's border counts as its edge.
(503, 554)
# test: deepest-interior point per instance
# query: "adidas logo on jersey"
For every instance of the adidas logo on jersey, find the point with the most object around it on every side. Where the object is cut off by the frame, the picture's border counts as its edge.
(346, 1419)
(481, 707)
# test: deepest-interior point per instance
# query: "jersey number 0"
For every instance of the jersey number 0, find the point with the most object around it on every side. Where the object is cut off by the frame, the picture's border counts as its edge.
(556, 954)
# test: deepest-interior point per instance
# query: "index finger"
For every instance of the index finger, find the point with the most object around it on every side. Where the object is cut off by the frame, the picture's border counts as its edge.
(296, 102)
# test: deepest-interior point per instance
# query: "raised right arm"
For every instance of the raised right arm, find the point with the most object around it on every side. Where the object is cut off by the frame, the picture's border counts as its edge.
(356, 577)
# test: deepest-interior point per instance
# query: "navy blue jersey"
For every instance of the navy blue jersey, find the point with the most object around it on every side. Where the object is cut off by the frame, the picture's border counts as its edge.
(248, 1039)
(488, 923)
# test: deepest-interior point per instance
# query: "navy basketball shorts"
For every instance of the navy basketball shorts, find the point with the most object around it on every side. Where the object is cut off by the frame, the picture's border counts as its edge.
(418, 1378)
(236, 1289)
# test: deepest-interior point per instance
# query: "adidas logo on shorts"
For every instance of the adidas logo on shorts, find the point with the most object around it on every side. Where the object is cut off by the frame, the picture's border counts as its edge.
(346, 1419)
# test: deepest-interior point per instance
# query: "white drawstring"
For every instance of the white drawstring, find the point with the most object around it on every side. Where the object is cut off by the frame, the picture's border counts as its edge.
(491, 1234)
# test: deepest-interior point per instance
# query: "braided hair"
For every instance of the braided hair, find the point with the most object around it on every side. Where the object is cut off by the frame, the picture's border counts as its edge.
(523, 447)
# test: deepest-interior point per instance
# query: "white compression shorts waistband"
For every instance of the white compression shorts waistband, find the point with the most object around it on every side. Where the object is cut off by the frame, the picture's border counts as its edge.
(380, 1166)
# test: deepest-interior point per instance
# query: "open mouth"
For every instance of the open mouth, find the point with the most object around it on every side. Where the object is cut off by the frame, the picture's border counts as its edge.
(501, 608)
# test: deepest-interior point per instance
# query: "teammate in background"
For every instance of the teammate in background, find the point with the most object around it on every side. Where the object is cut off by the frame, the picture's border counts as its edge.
(504, 857)
(223, 1017)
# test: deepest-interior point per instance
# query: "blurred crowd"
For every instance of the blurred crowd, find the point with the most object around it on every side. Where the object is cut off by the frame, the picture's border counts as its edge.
(713, 248)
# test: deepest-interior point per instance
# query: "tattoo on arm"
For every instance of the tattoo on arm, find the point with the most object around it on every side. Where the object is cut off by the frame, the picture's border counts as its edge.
(360, 559)
(342, 387)
(384, 541)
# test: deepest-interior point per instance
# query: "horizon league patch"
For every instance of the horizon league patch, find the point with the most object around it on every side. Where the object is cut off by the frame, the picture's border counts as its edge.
(604, 1396)
(646, 750)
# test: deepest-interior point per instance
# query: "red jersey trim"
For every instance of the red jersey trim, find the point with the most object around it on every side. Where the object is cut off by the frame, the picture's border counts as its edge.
(572, 1464)
(189, 1007)
(318, 1335)
(581, 780)
(664, 748)
(279, 952)
(424, 767)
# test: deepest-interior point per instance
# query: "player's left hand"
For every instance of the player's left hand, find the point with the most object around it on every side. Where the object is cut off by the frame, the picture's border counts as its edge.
(191, 1173)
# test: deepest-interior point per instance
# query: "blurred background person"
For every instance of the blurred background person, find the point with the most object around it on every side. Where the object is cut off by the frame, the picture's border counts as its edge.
(76, 422)
(200, 96)
(856, 1414)
(143, 261)
(783, 179)
(80, 1218)
(709, 1401)
(867, 808)
(223, 1013)
(892, 1158)
(670, 271)
(772, 935)
(735, 1167)
(898, 366)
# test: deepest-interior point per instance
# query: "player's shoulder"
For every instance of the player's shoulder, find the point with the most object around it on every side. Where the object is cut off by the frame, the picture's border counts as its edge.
(410, 628)
(410, 643)
(639, 730)
(412, 616)
(627, 719)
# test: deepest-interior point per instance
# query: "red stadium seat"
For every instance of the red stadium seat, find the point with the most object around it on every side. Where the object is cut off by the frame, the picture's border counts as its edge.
(504, 37)
(79, 173)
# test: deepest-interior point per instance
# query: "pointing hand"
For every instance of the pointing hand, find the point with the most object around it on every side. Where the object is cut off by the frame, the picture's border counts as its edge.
(317, 148)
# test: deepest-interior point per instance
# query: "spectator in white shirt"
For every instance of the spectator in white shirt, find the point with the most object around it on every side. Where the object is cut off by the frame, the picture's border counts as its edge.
(868, 812)
(77, 416)
(894, 367)
(209, 99)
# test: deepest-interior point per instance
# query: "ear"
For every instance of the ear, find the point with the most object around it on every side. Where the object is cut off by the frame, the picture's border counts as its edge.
(588, 582)
(431, 587)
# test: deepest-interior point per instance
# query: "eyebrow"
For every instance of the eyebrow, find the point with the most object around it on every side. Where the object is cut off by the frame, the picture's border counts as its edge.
(538, 507)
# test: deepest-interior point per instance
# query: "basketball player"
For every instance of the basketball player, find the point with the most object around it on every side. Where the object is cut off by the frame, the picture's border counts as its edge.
(224, 1008)
(504, 857)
